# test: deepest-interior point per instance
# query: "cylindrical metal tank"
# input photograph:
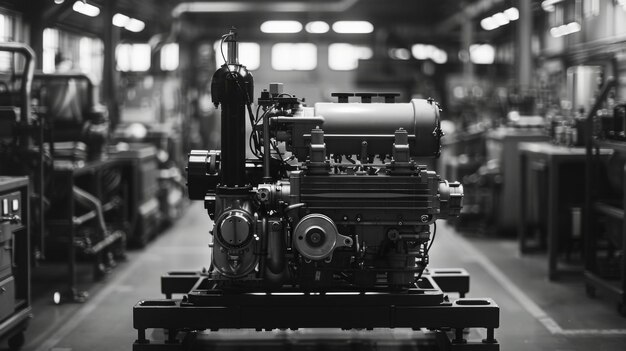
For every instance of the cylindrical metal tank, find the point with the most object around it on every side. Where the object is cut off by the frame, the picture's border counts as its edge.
(347, 125)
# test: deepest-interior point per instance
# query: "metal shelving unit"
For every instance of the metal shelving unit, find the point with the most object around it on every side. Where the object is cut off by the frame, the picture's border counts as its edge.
(605, 264)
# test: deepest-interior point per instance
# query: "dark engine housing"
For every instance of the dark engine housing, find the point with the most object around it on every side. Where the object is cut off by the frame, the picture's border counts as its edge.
(333, 196)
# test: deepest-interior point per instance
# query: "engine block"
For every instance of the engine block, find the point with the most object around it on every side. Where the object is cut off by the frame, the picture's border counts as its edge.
(334, 196)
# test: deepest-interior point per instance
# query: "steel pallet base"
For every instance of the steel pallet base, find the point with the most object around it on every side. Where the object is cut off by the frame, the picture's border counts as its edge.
(425, 307)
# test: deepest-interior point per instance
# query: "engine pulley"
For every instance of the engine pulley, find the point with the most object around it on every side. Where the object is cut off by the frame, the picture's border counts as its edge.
(316, 237)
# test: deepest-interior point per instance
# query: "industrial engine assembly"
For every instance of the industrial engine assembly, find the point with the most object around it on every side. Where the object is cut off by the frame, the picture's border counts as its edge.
(329, 221)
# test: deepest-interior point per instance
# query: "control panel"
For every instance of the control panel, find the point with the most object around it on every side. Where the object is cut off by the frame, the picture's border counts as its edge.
(10, 221)
(11, 211)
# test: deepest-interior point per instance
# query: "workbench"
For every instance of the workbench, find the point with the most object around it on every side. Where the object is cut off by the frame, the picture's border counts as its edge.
(564, 170)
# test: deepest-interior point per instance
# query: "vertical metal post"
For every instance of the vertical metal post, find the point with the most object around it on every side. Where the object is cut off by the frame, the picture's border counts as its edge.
(524, 40)
(521, 221)
(109, 75)
(467, 37)
(37, 26)
(72, 293)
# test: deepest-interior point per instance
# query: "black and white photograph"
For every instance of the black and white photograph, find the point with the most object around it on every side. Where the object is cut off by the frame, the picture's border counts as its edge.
(303, 175)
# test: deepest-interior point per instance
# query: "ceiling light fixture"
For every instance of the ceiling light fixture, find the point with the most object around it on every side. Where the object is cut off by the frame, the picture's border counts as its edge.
(281, 27)
(353, 27)
(317, 27)
(488, 24)
(512, 13)
(135, 25)
(565, 29)
(120, 20)
(548, 5)
(500, 19)
(86, 9)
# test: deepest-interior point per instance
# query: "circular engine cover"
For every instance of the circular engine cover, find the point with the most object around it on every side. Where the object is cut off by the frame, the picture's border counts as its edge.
(315, 236)
(234, 228)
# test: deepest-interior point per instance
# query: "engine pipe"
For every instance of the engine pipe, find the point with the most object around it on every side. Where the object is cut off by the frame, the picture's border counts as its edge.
(232, 87)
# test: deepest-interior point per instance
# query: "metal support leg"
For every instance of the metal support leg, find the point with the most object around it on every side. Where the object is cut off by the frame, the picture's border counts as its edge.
(458, 336)
(521, 221)
(490, 337)
(141, 336)
(553, 221)
(171, 336)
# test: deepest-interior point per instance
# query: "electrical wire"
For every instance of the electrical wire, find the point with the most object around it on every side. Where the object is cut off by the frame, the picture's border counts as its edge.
(433, 239)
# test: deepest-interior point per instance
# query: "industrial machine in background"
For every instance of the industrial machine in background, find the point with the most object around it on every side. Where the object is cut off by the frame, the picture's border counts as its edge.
(143, 209)
(83, 187)
(22, 152)
(329, 225)
(86, 197)
(15, 305)
(151, 115)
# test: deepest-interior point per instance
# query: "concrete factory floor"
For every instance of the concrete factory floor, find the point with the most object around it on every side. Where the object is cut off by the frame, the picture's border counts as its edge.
(535, 314)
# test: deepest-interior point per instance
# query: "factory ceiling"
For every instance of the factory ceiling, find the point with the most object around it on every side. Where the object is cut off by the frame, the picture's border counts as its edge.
(409, 20)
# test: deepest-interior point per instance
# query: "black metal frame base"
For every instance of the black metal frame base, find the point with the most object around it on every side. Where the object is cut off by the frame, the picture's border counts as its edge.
(425, 307)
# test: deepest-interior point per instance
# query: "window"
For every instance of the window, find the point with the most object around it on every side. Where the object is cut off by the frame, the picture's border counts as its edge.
(249, 55)
(345, 57)
(6, 34)
(169, 57)
(79, 53)
(482, 54)
(91, 57)
(84, 56)
(50, 48)
(591, 8)
(294, 56)
(133, 57)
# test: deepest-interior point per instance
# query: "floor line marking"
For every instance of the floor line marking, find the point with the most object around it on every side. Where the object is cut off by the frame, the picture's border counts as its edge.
(524, 300)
